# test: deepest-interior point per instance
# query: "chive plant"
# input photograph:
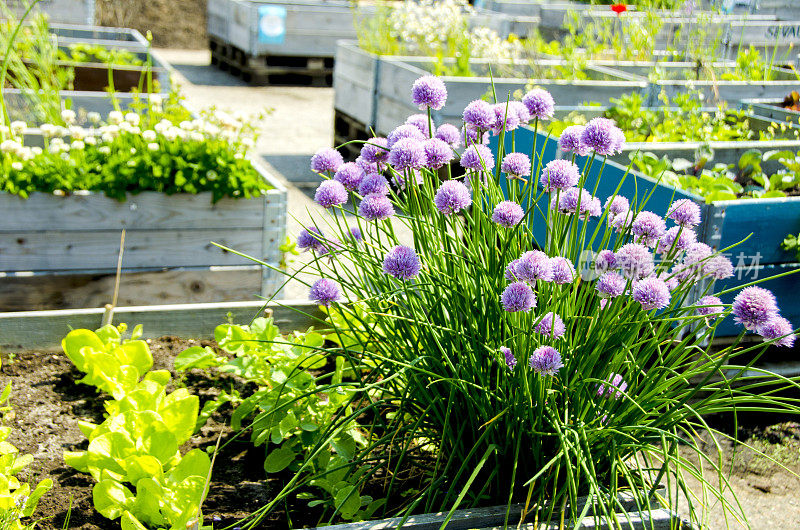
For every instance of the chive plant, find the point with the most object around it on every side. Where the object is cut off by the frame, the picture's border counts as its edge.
(497, 368)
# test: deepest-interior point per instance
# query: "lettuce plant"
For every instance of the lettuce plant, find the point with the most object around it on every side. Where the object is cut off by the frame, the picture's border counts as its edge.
(520, 339)
(298, 417)
(134, 453)
(17, 499)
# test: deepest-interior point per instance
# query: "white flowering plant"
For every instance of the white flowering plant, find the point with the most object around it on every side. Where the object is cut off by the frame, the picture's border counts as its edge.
(489, 367)
(159, 147)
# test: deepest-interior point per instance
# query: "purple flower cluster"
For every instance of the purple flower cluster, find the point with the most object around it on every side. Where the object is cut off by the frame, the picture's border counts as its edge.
(551, 326)
(648, 228)
(651, 293)
(577, 200)
(523, 114)
(559, 175)
(605, 260)
(676, 239)
(374, 184)
(429, 92)
(516, 165)
(511, 361)
(635, 260)
(571, 141)
(539, 103)
(753, 307)
(534, 265)
(517, 297)
(507, 213)
(476, 156)
(326, 160)
(408, 153)
(713, 309)
(375, 207)
(349, 175)
(684, 212)
(437, 153)
(420, 121)
(505, 118)
(375, 150)
(563, 270)
(778, 328)
(325, 292)
(449, 134)
(330, 193)
(452, 197)
(402, 132)
(479, 114)
(310, 238)
(402, 263)
(545, 360)
(614, 387)
(603, 137)
(611, 285)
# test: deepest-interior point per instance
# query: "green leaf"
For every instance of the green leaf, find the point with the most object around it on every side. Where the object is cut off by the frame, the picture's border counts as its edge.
(179, 411)
(279, 459)
(111, 498)
(347, 501)
(161, 377)
(197, 357)
(129, 522)
(195, 463)
(344, 445)
(137, 354)
(74, 344)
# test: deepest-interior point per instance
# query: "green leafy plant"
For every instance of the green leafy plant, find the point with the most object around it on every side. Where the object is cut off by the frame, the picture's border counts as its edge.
(301, 415)
(134, 453)
(792, 244)
(95, 53)
(17, 500)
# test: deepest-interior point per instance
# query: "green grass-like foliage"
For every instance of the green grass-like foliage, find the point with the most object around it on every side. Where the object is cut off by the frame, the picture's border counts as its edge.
(17, 499)
(134, 454)
(441, 401)
(297, 414)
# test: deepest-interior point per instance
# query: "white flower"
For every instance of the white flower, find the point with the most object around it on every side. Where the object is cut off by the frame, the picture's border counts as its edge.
(90, 140)
(36, 150)
(115, 117)
(149, 136)
(153, 146)
(61, 131)
(10, 146)
(104, 149)
(187, 125)
(68, 116)
(76, 132)
(132, 118)
(172, 133)
(16, 166)
(155, 100)
(93, 117)
(48, 130)
(248, 143)
(18, 127)
(196, 136)
(77, 145)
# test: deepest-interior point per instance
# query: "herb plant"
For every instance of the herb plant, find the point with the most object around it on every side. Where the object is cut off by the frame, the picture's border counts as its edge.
(134, 454)
(495, 368)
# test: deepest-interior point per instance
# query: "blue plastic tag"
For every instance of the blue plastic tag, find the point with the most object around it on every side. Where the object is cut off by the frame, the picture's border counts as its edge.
(271, 24)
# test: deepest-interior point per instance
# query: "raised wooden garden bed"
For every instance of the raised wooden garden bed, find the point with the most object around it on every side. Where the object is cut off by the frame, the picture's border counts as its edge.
(63, 250)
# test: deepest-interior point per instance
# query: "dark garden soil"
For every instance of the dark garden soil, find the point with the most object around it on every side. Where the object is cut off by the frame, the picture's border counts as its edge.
(48, 403)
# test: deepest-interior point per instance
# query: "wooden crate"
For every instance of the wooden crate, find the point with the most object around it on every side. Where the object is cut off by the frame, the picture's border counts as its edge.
(67, 246)
(66, 11)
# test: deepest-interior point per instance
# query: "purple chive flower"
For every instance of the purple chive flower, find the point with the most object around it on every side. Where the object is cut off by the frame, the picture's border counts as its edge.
(518, 297)
(551, 325)
(539, 103)
(479, 114)
(714, 307)
(616, 387)
(374, 184)
(369, 167)
(325, 292)
(327, 159)
(420, 121)
(437, 152)
(573, 198)
(571, 142)
(511, 361)
(603, 137)
(648, 227)
(534, 265)
(407, 153)
(355, 233)
(621, 222)
(516, 165)
(617, 205)
(310, 238)
(402, 263)
(523, 114)
(694, 261)
(718, 267)
(475, 156)
(472, 137)
(563, 270)
(669, 278)
(545, 360)
(778, 327)
(330, 193)
(375, 207)
(651, 293)
(504, 116)
(559, 175)
(450, 134)
(452, 197)
(509, 274)
(404, 131)
(685, 212)
(375, 150)
(676, 239)
(349, 175)
(635, 260)
(605, 260)
(611, 285)
(754, 306)
(429, 92)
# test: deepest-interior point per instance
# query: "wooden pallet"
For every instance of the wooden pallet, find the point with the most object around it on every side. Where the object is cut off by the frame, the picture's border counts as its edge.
(346, 129)
(271, 69)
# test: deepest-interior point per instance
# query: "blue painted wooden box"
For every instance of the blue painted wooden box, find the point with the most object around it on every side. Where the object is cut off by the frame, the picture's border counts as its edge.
(725, 223)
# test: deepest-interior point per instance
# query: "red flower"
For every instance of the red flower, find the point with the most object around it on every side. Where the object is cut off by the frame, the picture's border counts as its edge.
(619, 8)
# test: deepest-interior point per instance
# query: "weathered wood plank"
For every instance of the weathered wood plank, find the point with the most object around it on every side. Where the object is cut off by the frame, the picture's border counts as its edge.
(95, 289)
(147, 210)
(45, 329)
(99, 249)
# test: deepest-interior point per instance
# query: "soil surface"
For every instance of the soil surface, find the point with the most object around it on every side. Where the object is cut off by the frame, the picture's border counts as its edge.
(48, 404)
(173, 24)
